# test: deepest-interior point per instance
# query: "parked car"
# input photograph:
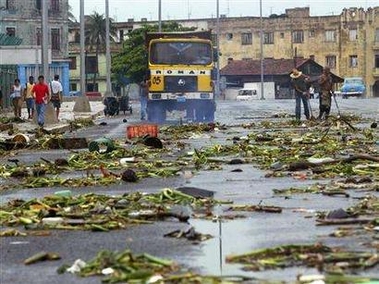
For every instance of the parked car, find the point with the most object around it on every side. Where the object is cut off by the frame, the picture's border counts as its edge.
(93, 94)
(353, 87)
(246, 95)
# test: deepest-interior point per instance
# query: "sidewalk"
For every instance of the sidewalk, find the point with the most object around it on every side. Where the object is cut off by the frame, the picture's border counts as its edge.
(66, 115)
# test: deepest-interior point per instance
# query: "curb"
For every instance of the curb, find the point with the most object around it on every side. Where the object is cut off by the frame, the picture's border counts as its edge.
(66, 127)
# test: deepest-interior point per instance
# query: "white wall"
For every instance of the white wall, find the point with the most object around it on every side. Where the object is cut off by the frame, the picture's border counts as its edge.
(15, 55)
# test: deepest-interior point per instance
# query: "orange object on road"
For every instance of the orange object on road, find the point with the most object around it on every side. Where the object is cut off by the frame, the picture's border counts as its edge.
(140, 130)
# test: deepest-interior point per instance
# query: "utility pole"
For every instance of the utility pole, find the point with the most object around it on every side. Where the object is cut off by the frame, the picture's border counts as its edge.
(108, 50)
(262, 58)
(82, 103)
(45, 40)
(83, 88)
(160, 15)
(50, 116)
(217, 89)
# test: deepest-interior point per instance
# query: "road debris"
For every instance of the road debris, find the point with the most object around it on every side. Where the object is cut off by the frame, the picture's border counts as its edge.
(317, 256)
(42, 256)
(98, 212)
(189, 234)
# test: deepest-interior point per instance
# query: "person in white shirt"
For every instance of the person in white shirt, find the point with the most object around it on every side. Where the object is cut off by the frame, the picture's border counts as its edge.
(56, 94)
(311, 92)
(16, 97)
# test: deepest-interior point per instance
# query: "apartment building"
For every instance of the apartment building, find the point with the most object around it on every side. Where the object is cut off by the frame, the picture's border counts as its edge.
(21, 20)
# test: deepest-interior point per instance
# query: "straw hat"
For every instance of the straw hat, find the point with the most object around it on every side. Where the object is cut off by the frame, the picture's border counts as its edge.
(295, 73)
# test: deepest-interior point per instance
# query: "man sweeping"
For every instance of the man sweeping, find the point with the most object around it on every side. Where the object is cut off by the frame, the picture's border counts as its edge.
(299, 83)
(326, 90)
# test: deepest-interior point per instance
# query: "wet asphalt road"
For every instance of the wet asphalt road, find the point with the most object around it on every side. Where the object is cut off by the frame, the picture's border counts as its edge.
(238, 236)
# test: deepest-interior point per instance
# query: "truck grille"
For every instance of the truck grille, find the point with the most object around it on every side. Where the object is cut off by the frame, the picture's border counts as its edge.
(180, 84)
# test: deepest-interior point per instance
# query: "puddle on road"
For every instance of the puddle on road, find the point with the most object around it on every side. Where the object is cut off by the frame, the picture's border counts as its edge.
(237, 236)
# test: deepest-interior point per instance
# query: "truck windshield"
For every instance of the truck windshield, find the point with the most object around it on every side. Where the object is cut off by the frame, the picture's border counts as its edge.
(188, 53)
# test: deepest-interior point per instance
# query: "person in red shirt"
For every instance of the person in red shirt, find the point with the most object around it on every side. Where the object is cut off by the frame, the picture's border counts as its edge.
(41, 96)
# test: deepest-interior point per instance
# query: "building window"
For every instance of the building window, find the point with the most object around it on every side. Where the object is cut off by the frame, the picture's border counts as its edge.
(377, 61)
(377, 35)
(246, 38)
(55, 39)
(72, 63)
(121, 33)
(268, 38)
(73, 87)
(298, 36)
(77, 37)
(281, 35)
(353, 35)
(92, 88)
(229, 36)
(353, 61)
(330, 35)
(9, 5)
(11, 31)
(38, 4)
(38, 36)
(331, 61)
(312, 33)
(247, 59)
(91, 65)
(54, 5)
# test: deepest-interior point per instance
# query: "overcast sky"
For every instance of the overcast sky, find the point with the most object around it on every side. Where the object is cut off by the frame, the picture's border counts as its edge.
(121, 10)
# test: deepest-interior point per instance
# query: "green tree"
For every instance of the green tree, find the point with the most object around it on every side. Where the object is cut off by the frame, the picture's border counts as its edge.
(131, 61)
(96, 35)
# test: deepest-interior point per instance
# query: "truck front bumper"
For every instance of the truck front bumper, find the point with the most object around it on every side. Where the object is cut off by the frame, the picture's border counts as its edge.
(351, 94)
(181, 96)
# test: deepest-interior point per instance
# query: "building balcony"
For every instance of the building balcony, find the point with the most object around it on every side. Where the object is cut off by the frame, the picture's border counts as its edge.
(375, 72)
(376, 46)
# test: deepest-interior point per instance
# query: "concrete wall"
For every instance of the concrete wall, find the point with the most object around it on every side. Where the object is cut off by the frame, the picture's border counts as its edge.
(21, 55)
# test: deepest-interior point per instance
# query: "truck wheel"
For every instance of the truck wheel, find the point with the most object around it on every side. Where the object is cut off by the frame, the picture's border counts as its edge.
(209, 116)
(199, 116)
(210, 112)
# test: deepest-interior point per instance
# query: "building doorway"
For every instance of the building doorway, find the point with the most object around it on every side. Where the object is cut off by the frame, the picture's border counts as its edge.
(375, 89)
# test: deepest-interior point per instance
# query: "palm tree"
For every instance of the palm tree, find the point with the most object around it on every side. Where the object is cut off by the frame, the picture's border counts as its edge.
(96, 35)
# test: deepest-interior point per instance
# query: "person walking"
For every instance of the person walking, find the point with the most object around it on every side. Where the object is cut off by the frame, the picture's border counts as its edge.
(56, 94)
(144, 93)
(326, 89)
(29, 97)
(16, 97)
(299, 83)
(41, 96)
